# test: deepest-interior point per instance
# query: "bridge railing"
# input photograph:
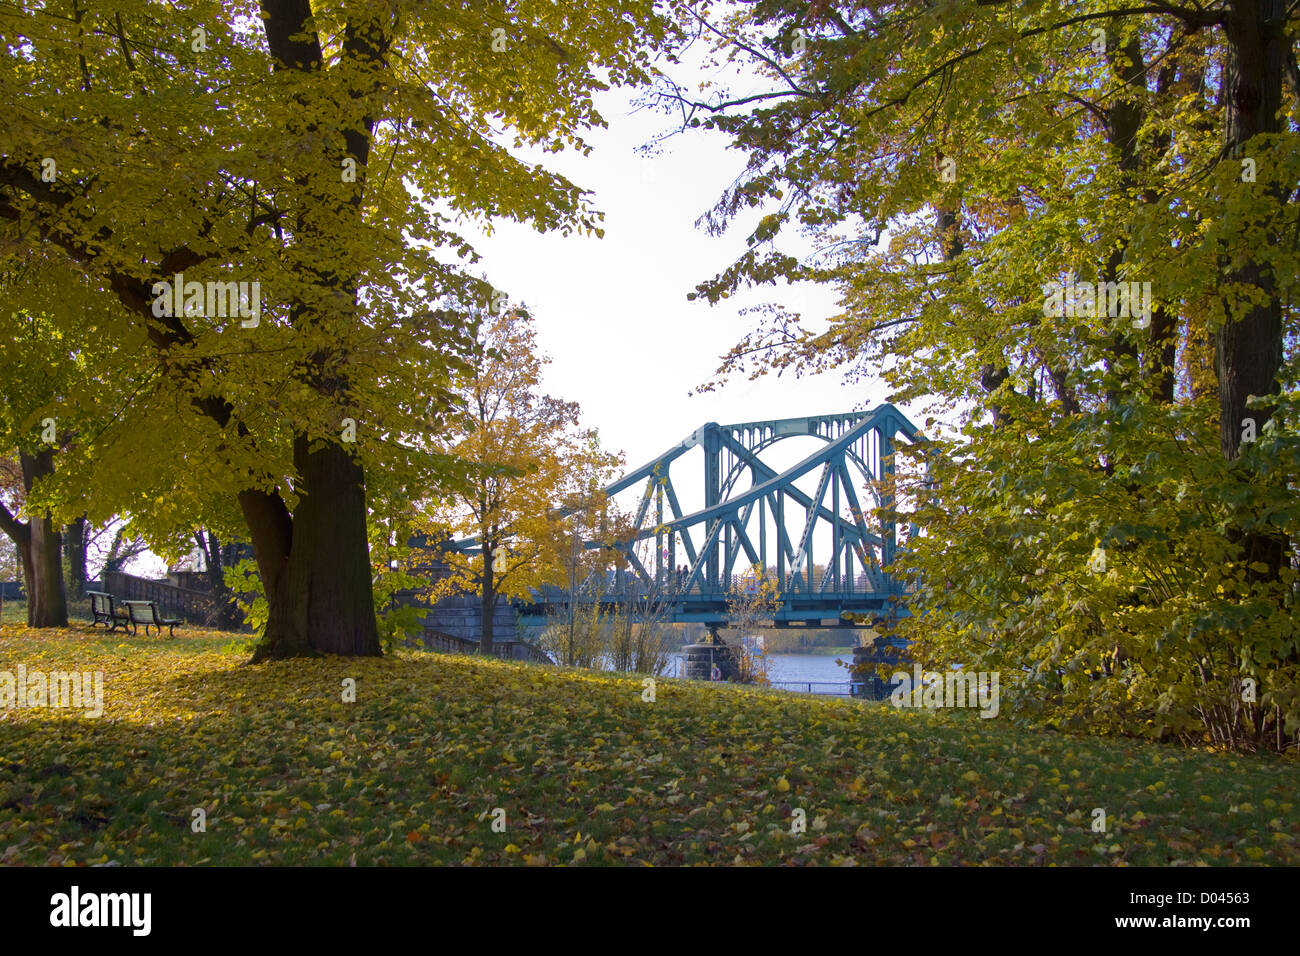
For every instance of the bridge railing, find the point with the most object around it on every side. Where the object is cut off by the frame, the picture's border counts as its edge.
(827, 688)
(673, 589)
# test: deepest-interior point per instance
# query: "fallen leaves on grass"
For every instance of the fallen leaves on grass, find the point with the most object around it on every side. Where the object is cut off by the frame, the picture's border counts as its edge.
(447, 759)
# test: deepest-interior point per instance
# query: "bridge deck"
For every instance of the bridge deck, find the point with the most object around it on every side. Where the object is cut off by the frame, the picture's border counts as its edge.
(794, 609)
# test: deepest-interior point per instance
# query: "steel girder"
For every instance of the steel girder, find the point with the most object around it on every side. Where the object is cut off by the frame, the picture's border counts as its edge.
(856, 461)
(773, 523)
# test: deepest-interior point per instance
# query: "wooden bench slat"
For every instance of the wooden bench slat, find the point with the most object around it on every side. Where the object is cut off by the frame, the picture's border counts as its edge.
(103, 611)
(154, 619)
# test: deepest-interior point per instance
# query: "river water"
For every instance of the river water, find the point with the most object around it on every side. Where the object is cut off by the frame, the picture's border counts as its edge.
(793, 667)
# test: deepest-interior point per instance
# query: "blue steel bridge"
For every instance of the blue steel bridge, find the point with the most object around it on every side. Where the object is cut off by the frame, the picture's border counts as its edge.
(755, 515)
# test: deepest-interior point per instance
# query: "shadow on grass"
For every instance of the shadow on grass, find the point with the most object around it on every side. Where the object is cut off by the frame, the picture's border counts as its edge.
(286, 770)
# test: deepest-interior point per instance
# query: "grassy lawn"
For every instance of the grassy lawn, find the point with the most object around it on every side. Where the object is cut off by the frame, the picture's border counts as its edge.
(585, 771)
(15, 612)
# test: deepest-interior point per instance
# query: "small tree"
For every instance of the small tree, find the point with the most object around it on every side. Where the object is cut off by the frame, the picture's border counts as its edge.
(750, 606)
(527, 454)
(578, 619)
(217, 556)
(638, 632)
(123, 547)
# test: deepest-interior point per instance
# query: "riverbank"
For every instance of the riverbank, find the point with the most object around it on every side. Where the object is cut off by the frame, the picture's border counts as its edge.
(817, 651)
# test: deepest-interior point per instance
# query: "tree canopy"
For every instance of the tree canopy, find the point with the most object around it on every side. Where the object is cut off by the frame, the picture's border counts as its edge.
(258, 210)
(1070, 228)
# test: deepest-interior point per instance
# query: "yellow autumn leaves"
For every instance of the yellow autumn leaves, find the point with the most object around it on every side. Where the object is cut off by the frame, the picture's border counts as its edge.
(459, 760)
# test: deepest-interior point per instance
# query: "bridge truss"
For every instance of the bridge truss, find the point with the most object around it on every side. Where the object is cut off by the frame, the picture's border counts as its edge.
(757, 516)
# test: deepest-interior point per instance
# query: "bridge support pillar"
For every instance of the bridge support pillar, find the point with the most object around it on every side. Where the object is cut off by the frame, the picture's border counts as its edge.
(700, 658)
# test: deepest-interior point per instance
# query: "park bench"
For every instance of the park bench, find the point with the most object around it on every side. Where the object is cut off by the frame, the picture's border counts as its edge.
(104, 611)
(146, 613)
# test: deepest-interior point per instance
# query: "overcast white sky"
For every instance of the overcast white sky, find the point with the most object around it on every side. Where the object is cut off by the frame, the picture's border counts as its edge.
(612, 313)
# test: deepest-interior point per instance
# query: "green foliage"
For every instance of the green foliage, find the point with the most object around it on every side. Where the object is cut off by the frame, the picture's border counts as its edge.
(334, 162)
(246, 585)
(394, 579)
(1155, 642)
(954, 160)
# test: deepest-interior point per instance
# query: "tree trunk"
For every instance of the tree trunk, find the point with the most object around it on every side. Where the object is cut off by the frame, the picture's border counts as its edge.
(1123, 122)
(74, 546)
(47, 604)
(315, 565)
(948, 228)
(225, 615)
(1164, 346)
(41, 548)
(488, 607)
(18, 533)
(1249, 349)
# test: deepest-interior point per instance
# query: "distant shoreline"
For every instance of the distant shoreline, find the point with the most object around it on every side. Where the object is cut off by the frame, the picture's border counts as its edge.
(807, 651)
(818, 651)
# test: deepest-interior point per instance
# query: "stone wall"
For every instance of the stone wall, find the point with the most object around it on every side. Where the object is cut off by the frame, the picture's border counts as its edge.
(462, 617)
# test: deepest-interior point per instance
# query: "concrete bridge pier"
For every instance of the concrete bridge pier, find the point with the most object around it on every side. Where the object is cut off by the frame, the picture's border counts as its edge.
(699, 659)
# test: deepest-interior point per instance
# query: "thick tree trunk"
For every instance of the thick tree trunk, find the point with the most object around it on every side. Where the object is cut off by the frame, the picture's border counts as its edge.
(41, 548)
(1249, 350)
(47, 604)
(1248, 354)
(1123, 122)
(315, 566)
